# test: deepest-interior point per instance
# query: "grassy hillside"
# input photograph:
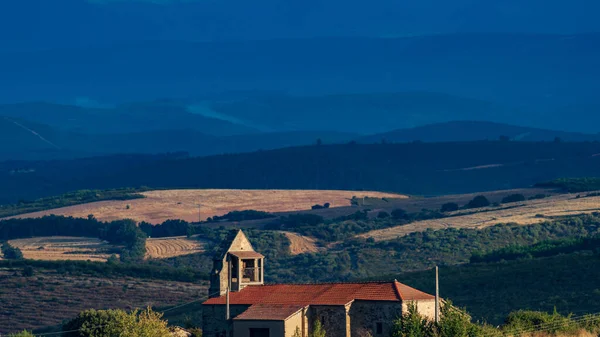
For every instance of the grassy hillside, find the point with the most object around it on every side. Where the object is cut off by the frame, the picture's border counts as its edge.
(490, 291)
(422, 169)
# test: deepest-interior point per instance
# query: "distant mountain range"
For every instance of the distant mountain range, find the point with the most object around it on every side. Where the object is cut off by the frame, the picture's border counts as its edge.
(464, 131)
(51, 131)
(542, 76)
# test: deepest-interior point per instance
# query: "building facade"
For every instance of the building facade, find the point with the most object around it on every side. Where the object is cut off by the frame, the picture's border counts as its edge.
(253, 309)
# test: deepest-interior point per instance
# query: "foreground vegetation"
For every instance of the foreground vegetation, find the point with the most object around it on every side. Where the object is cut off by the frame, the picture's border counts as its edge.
(457, 323)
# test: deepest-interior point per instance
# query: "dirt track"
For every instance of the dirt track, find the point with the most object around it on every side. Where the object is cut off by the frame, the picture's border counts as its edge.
(301, 244)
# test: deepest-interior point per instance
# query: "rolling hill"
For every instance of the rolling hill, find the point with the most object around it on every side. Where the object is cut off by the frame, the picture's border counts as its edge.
(127, 118)
(422, 169)
(25, 140)
(527, 78)
(464, 131)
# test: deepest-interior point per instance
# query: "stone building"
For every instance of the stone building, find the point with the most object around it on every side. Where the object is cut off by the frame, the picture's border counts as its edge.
(281, 310)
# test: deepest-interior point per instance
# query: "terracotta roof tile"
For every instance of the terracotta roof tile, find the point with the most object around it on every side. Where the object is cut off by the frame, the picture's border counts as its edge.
(322, 294)
(411, 294)
(247, 255)
(269, 312)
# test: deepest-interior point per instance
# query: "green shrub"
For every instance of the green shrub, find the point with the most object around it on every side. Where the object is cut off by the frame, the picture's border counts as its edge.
(383, 215)
(513, 198)
(412, 324)
(478, 201)
(449, 207)
(317, 330)
(24, 333)
(110, 323)
(534, 320)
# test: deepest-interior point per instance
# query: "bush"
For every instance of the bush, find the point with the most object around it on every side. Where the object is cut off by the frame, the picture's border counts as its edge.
(454, 322)
(109, 323)
(399, 214)
(449, 207)
(513, 198)
(22, 334)
(383, 215)
(535, 320)
(317, 330)
(478, 202)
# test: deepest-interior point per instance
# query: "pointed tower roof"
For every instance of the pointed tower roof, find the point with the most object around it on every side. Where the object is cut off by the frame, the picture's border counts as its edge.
(235, 242)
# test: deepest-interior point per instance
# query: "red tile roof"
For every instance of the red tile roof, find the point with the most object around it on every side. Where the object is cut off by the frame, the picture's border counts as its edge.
(269, 312)
(322, 294)
(247, 255)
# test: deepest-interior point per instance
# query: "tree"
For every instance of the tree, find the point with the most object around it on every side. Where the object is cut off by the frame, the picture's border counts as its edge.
(10, 252)
(399, 213)
(383, 215)
(449, 207)
(454, 322)
(318, 330)
(517, 197)
(412, 324)
(478, 201)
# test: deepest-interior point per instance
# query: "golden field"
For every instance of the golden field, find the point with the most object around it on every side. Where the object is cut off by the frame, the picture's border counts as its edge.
(63, 248)
(158, 206)
(523, 213)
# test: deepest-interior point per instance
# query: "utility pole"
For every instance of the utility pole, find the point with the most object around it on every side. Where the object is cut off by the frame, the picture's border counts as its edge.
(199, 214)
(227, 313)
(437, 295)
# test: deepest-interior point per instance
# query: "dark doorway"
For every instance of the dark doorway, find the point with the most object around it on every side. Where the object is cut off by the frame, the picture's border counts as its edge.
(259, 332)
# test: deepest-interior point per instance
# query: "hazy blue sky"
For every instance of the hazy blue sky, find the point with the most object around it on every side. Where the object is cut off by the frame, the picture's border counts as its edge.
(63, 23)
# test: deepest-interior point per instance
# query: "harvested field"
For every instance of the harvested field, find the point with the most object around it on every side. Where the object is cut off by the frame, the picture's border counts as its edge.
(301, 244)
(523, 213)
(159, 206)
(47, 299)
(64, 248)
(161, 248)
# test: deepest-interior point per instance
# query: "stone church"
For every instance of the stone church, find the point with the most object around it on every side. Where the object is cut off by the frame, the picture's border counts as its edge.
(254, 309)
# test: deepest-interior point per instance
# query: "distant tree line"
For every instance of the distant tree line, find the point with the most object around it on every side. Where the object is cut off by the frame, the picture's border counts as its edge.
(573, 185)
(242, 216)
(118, 232)
(541, 249)
(69, 199)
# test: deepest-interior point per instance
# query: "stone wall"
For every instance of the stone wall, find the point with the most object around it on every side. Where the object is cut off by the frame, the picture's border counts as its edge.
(214, 323)
(333, 318)
(293, 322)
(425, 308)
(364, 316)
